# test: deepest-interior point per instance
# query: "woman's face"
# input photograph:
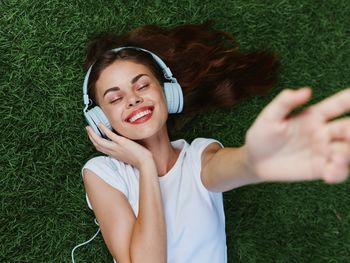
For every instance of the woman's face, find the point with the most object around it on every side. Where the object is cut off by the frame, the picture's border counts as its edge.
(132, 99)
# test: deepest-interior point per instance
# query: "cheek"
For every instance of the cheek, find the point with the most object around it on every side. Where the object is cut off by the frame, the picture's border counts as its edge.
(160, 98)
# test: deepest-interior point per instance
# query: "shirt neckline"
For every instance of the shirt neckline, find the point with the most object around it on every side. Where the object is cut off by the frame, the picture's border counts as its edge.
(178, 144)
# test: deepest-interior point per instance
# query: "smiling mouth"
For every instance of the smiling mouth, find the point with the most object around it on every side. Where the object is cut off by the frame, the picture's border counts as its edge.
(140, 116)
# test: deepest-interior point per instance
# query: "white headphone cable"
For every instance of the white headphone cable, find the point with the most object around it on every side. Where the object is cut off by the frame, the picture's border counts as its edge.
(86, 242)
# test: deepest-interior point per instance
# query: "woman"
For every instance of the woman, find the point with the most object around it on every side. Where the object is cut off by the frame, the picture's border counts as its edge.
(161, 201)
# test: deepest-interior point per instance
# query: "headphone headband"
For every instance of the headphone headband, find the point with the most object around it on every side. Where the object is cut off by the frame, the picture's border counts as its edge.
(166, 71)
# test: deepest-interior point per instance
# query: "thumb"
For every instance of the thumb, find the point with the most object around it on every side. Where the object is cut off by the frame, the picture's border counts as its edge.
(285, 102)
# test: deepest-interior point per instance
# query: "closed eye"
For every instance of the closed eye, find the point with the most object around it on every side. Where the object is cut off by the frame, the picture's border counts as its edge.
(143, 87)
(116, 100)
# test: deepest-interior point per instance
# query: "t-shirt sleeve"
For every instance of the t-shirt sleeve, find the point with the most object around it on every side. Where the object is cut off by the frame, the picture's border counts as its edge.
(104, 168)
(199, 145)
(197, 148)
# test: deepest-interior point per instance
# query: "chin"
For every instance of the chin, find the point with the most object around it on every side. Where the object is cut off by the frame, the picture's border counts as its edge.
(142, 133)
(139, 137)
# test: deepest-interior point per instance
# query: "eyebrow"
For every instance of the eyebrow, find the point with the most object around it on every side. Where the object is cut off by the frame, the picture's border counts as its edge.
(134, 79)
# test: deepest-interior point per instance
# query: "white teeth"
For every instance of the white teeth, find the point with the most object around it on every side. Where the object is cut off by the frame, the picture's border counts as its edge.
(139, 115)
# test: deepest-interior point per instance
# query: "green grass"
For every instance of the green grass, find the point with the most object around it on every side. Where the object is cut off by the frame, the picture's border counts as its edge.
(43, 142)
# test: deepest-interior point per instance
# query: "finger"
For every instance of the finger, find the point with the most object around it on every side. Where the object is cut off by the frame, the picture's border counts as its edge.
(335, 105)
(111, 135)
(340, 152)
(337, 169)
(92, 137)
(89, 131)
(285, 102)
(100, 144)
(334, 174)
(339, 129)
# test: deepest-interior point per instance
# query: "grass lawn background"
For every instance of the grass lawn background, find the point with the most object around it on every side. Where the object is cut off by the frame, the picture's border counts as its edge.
(43, 142)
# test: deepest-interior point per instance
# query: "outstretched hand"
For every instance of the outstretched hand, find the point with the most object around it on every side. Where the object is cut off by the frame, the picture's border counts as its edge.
(119, 147)
(305, 146)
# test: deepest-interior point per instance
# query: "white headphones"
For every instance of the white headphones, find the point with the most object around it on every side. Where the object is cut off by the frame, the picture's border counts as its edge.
(172, 89)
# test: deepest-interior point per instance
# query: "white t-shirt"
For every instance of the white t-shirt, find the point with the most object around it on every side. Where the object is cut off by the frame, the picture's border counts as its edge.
(194, 216)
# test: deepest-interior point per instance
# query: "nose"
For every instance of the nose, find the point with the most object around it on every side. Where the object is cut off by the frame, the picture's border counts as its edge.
(134, 100)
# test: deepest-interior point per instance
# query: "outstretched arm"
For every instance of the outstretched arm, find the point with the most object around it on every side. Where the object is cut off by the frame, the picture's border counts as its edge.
(309, 145)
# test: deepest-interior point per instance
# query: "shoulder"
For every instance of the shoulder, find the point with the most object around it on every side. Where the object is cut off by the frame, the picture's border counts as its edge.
(201, 149)
(202, 143)
(97, 161)
(205, 146)
(102, 166)
(113, 172)
(105, 164)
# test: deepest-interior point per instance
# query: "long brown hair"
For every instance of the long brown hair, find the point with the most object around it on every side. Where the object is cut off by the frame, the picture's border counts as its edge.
(208, 64)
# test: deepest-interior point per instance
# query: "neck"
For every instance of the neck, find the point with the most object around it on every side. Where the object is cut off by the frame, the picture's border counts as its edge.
(164, 154)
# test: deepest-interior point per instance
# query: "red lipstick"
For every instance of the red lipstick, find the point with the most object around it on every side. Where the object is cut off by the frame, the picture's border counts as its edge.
(140, 115)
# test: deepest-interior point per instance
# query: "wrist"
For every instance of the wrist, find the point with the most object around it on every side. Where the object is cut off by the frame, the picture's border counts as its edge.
(147, 164)
(250, 166)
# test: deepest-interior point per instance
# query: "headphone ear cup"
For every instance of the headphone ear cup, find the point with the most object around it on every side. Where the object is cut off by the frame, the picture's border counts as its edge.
(96, 116)
(174, 97)
(180, 96)
(169, 96)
